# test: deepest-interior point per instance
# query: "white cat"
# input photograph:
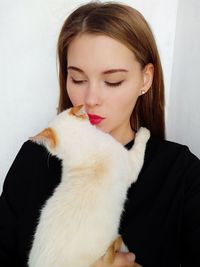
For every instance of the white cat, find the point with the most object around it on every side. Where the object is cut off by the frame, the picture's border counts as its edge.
(81, 219)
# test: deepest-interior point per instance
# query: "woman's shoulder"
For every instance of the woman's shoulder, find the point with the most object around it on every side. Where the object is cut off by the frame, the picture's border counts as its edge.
(30, 157)
(31, 148)
(167, 148)
(32, 169)
(34, 154)
(172, 159)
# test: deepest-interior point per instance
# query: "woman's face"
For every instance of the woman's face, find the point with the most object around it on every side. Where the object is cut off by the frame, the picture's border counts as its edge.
(104, 76)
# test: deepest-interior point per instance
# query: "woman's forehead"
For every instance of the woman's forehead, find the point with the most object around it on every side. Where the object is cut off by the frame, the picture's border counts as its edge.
(100, 51)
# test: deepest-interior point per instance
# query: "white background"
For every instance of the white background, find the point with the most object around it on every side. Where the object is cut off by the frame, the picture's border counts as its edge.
(28, 74)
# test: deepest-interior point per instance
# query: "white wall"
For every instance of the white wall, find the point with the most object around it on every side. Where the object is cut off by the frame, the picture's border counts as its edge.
(28, 77)
(184, 101)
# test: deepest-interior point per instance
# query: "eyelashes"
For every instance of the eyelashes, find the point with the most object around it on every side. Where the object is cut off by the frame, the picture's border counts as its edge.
(79, 82)
(114, 84)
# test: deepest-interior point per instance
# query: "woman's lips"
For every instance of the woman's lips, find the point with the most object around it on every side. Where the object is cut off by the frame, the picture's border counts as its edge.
(95, 119)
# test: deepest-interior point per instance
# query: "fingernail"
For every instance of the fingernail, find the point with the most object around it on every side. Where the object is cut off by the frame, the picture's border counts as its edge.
(131, 257)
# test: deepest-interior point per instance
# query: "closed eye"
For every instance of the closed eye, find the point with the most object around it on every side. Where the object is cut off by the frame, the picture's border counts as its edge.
(78, 81)
(114, 84)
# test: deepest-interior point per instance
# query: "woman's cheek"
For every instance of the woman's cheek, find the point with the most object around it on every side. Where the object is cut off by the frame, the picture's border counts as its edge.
(76, 97)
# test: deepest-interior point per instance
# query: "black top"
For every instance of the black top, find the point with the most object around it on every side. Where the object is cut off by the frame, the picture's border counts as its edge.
(161, 221)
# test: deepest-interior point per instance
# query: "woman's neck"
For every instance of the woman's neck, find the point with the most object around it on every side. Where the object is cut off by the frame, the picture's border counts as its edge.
(125, 136)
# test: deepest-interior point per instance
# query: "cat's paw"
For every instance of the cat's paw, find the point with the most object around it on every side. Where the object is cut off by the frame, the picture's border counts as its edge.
(142, 135)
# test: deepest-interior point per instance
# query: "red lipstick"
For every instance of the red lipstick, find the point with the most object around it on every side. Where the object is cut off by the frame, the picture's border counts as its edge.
(95, 119)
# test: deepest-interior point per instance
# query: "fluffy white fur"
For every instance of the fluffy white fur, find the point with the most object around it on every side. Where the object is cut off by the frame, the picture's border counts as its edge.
(81, 219)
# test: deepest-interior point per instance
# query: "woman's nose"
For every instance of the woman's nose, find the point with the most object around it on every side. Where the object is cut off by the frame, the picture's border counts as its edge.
(93, 96)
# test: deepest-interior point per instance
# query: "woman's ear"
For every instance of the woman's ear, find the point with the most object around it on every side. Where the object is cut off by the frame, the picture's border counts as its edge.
(148, 73)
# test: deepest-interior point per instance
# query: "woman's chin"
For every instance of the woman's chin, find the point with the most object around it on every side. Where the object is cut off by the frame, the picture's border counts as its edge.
(102, 128)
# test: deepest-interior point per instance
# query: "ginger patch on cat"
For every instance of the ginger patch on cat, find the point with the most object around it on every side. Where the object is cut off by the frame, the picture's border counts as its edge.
(48, 135)
(96, 169)
(78, 112)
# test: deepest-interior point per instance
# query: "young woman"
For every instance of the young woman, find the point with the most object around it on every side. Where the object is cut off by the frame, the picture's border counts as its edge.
(109, 62)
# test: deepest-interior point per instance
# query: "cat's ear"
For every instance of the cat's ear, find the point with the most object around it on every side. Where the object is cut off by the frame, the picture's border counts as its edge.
(47, 138)
(79, 112)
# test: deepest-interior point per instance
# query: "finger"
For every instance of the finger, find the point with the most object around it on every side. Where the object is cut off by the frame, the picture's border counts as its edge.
(111, 251)
(137, 265)
(121, 259)
(115, 256)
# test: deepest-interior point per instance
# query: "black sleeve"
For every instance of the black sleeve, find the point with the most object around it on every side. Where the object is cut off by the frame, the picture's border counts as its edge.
(7, 231)
(190, 234)
(18, 190)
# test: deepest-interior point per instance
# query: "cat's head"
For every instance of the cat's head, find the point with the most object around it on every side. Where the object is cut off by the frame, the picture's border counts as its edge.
(64, 130)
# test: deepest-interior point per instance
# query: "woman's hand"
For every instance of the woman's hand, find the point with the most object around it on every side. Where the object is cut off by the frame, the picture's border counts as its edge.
(121, 259)
(114, 256)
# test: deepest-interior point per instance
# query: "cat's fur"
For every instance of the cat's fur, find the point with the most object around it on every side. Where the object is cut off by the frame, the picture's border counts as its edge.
(81, 219)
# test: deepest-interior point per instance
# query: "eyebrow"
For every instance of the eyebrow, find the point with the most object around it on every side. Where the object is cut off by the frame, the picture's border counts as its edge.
(104, 72)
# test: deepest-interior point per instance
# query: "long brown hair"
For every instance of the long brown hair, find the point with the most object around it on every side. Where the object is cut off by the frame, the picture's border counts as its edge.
(129, 27)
